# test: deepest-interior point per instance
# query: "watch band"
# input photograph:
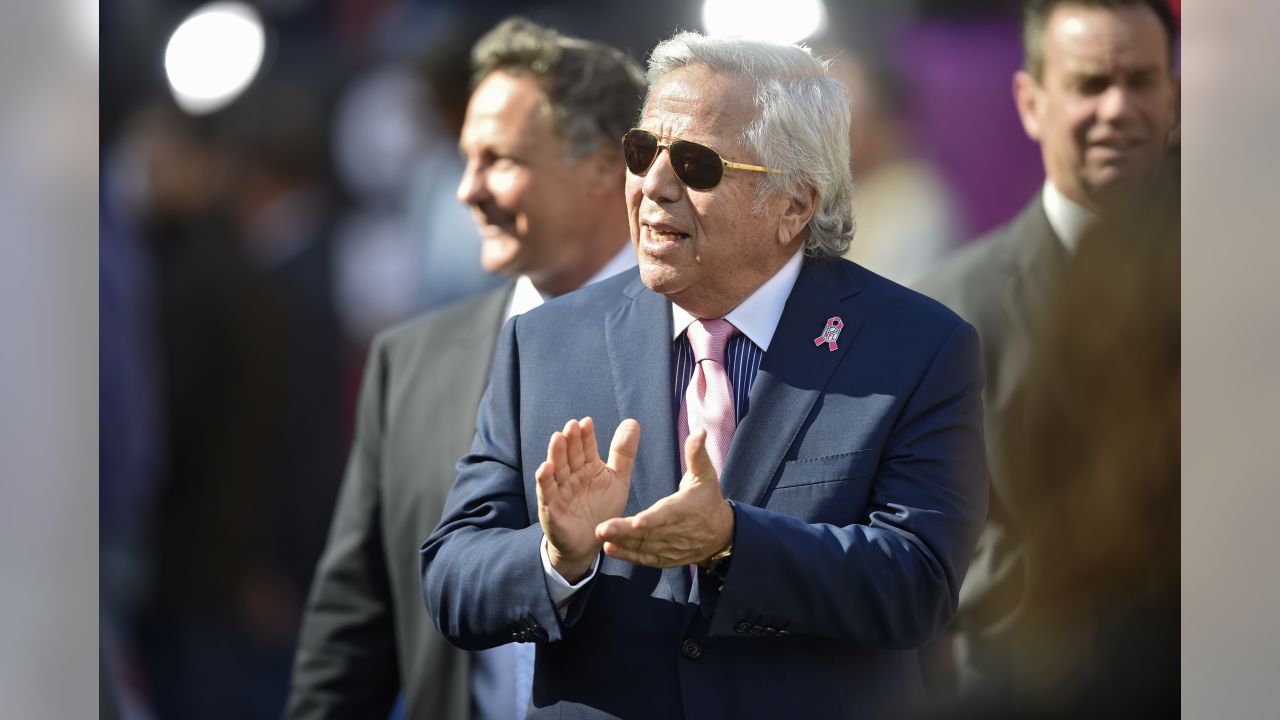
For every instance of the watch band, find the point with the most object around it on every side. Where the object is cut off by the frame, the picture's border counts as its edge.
(718, 564)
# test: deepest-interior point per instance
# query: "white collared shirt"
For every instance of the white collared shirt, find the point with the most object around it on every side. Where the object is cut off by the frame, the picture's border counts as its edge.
(1070, 220)
(757, 316)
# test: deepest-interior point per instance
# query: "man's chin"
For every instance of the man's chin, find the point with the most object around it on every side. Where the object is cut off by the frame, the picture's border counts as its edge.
(1125, 184)
(1121, 172)
(1120, 201)
(659, 277)
(500, 256)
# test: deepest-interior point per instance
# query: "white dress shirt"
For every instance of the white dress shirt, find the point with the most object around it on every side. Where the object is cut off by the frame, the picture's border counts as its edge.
(1069, 220)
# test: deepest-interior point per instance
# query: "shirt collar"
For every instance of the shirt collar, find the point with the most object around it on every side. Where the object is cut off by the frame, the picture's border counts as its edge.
(526, 297)
(1069, 220)
(756, 317)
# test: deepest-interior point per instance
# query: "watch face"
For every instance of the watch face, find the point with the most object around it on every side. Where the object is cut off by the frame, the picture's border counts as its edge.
(720, 568)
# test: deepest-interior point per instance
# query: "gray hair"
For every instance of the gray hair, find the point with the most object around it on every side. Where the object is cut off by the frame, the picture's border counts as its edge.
(801, 124)
(593, 91)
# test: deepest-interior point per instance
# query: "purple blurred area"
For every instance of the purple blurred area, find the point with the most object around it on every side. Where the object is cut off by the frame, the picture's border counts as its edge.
(962, 72)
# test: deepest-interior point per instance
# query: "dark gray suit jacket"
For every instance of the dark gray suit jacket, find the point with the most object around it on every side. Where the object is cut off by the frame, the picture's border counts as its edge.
(366, 633)
(1003, 285)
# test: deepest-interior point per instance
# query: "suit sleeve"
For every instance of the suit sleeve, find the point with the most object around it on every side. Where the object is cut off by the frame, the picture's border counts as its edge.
(891, 580)
(482, 572)
(346, 662)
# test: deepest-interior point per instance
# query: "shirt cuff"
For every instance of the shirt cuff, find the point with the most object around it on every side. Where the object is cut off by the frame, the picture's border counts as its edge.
(561, 591)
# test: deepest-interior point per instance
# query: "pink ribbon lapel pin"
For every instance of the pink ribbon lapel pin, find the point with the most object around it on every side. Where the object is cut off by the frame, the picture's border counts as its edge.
(830, 333)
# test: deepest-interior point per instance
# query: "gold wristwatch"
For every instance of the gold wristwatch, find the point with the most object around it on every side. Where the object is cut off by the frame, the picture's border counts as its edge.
(718, 564)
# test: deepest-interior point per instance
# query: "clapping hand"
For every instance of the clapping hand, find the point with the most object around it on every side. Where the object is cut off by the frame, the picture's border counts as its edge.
(683, 528)
(577, 491)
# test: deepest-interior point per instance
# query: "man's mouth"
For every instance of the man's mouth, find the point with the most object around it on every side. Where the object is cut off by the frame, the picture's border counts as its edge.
(662, 233)
(490, 225)
(1118, 145)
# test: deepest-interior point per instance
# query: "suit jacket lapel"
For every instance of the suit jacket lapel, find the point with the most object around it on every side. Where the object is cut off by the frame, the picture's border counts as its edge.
(477, 337)
(792, 375)
(1036, 263)
(642, 381)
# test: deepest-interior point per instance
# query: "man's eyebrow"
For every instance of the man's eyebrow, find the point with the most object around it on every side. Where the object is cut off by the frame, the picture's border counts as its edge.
(1143, 71)
(1112, 69)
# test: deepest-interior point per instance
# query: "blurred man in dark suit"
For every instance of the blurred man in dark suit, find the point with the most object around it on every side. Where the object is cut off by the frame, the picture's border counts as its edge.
(544, 183)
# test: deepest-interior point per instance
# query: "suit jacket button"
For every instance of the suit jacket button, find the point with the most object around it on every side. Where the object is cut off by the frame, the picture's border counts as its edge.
(691, 649)
(742, 627)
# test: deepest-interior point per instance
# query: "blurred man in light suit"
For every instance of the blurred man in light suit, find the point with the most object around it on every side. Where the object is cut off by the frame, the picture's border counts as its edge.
(544, 183)
(794, 477)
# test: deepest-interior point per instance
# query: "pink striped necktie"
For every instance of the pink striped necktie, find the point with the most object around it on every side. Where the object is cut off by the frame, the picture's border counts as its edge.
(708, 400)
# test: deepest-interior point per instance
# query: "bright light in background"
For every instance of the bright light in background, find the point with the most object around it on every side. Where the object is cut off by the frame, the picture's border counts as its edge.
(778, 21)
(214, 55)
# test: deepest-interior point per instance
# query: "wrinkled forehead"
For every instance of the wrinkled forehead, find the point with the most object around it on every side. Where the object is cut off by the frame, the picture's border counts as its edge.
(700, 104)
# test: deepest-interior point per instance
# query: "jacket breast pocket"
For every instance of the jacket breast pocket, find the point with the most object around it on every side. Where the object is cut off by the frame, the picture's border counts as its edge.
(831, 489)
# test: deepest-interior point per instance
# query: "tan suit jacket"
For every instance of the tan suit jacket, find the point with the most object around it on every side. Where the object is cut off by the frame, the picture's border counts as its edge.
(1003, 285)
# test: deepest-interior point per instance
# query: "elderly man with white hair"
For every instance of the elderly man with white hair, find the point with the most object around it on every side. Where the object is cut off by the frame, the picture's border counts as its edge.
(795, 478)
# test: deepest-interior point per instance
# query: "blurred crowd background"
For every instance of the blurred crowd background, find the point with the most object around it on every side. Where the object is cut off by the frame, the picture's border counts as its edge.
(253, 240)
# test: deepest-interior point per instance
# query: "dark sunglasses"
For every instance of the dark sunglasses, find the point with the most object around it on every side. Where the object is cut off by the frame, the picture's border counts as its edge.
(697, 166)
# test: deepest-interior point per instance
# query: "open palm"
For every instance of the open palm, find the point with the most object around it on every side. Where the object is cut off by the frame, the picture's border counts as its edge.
(577, 490)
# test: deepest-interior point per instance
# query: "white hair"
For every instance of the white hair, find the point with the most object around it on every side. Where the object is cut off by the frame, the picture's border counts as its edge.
(801, 124)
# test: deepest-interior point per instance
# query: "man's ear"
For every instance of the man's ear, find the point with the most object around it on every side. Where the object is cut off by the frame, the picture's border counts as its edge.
(1029, 100)
(796, 214)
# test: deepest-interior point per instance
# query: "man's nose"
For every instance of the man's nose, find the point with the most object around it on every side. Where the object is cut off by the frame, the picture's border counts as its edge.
(1116, 103)
(471, 188)
(661, 183)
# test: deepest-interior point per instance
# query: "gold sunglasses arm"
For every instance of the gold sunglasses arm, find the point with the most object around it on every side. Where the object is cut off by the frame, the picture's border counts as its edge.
(757, 168)
(726, 163)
